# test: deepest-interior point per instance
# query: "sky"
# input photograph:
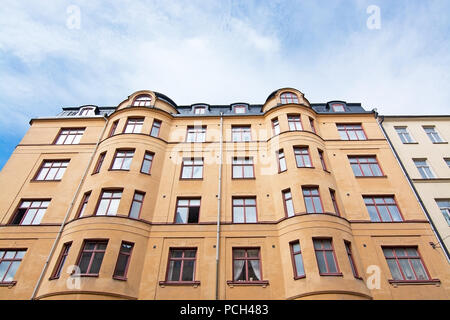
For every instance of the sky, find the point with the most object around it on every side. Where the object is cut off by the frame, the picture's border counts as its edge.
(389, 55)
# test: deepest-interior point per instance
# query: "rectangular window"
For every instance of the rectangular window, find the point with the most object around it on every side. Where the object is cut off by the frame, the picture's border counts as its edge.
(9, 263)
(433, 134)
(351, 132)
(444, 205)
(275, 126)
(382, 208)
(302, 157)
(365, 166)
(91, 257)
(334, 201)
(70, 136)
(83, 204)
(313, 127)
(423, 168)
(199, 110)
(196, 134)
(405, 264)
(154, 132)
(322, 160)
(52, 170)
(188, 210)
(122, 160)
(326, 258)
(147, 162)
(295, 122)
(447, 161)
(312, 199)
(100, 160)
(136, 205)
(404, 135)
(247, 265)
(30, 212)
(241, 133)
(338, 107)
(281, 161)
(109, 203)
(181, 266)
(192, 168)
(348, 248)
(239, 109)
(297, 259)
(61, 260)
(243, 168)
(134, 125)
(244, 210)
(123, 261)
(112, 131)
(288, 203)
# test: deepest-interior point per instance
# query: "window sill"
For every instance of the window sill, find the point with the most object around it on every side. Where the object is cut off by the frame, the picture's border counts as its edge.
(306, 167)
(410, 142)
(339, 274)
(8, 284)
(40, 181)
(395, 283)
(119, 278)
(442, 142)
(194, 284)
(367, 177)
(263, 283)
(191, 179)
(85, 275)
(252, 178)
(299, 277)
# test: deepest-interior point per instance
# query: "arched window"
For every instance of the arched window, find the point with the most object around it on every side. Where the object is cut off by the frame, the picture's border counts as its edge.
(288, 97)
(143, 100)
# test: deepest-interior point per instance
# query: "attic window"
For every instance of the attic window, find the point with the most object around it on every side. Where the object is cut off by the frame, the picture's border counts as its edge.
(142, 101)
(239, 109)
(199, 110)
(86, 111)
(288, 97)
(338, 107)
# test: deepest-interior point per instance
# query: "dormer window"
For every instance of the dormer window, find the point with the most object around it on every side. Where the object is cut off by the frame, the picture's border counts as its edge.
(199, 110)
(338, 107)
(86, 111)
(239, 109)
(143, 100)
(288, 97)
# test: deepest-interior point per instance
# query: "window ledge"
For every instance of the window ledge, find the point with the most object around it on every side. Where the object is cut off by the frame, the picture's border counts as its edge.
(194, 284)
(306, 167)
(339, 274)
(395, 283)
(299, 277)
(410, 143)
(41, 181)
(85, 275)
(119, 278)
(8, 284)
(442, 142)
(263, 283)
(366, 177)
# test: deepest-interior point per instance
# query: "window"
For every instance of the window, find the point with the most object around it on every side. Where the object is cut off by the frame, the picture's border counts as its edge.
(297, 259)
(444, 205)
(192, 168)
(155, 128)
(243, 168)
(83, 204)
(424, 168)
(112, 131)
(404, 135)
(196, 134)
(91, 257)
(334, 201)
(338, 107)
(447, 161)
(433, 134)
(52, 170)
(109, 203)
(188, 211)
(348, 248)
(147, 162)
(302, 157)
(275, 126)
(181, 266)
(69, 136)
(239, 109)
(295, 123)
(123, 260)
(134, 125)
(30, 212)
(86, 111)
(136, 205)
(365, 166)
(199, 110)
(244, 210)
(312, 199)
(351, 132)
(247, 265)
(405, 264)
(100, 160)
(288, 97)
(122, 160)
(142, 101)
(288, 203)
(313, 127)
(326, 258)
(9, 263)
(281, 161)
(382, 209)
(62, 258)
(322, 160)
(241, 133)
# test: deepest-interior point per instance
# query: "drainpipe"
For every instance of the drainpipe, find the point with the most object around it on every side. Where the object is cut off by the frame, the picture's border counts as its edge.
(58, 236)
(408, 178)
(219, 200)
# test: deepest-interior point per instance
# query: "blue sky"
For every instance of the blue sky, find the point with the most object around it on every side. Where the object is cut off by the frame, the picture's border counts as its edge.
(219, 52)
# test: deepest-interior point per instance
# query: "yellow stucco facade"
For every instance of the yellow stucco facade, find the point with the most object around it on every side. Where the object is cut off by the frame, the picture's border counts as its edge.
(155, 233)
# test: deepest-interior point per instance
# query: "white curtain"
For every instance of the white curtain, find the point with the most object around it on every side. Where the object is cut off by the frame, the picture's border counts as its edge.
(255, 266)
(238, 269)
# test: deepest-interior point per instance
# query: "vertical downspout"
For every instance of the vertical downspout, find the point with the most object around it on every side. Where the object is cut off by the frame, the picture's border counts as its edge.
(219, 203)
(58, 236)
(408, 178)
